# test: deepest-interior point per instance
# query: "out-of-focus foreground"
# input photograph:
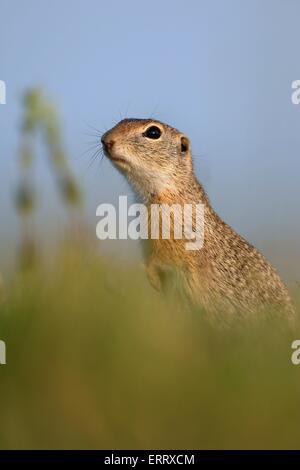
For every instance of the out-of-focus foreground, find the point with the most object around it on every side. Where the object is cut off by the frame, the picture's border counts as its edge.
(95, 359)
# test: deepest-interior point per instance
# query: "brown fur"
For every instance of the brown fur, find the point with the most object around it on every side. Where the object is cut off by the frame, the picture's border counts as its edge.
(228, 276)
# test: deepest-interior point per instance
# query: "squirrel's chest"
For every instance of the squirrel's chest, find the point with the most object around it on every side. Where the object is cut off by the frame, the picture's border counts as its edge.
(168, 251)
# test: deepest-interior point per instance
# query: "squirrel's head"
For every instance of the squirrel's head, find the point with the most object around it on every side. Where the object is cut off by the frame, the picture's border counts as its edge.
(155, 157)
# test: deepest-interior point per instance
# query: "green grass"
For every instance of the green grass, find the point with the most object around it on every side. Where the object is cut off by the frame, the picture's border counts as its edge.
(96, 359)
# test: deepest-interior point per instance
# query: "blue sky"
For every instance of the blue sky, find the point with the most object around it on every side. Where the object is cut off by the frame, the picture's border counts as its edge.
(219, 71)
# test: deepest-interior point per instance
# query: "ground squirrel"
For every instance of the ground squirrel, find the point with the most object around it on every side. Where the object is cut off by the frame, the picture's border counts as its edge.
(228, 277)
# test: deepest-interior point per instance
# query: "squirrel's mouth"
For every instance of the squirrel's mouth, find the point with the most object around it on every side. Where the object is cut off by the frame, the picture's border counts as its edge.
(110, 153)
(115, 158)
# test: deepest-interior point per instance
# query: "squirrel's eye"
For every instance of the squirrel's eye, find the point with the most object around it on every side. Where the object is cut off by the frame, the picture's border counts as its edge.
(153, 132)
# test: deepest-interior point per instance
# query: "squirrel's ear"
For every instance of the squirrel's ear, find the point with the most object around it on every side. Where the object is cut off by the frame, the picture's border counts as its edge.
(184, 145)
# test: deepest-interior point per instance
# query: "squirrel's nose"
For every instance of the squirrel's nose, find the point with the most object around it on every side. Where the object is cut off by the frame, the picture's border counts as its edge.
(107, 142)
